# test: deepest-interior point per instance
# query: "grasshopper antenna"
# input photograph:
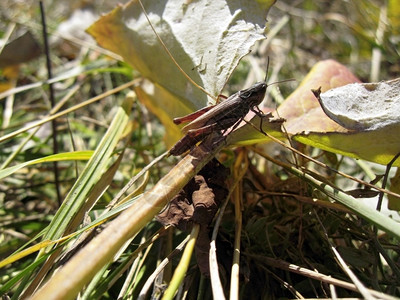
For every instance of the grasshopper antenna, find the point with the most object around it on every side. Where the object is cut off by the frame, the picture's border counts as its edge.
(282, 81)
(170, 54)
(276, 82)
(266, 73)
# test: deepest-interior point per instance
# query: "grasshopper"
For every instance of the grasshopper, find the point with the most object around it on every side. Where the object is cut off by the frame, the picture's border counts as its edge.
(220, 117)
(217, 118)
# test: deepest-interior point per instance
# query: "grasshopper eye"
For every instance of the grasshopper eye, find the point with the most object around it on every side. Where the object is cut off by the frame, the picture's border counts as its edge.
(256, 89)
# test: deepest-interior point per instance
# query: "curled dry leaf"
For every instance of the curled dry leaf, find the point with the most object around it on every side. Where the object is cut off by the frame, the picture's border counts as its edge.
(302, 111)
(348, 118)
(364, 106)
(370, 114)
(198, 202)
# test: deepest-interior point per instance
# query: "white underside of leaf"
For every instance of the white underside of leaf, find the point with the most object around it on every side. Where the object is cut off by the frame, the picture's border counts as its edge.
(364, 107)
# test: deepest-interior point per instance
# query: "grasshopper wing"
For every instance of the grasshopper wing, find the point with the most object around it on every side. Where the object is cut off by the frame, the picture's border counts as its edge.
(192, 116)
(215, 114)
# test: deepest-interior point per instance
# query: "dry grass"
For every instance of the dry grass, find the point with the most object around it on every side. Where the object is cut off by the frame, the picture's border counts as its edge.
(286, 222)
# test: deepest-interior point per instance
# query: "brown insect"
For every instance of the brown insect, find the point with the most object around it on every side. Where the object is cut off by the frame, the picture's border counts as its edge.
(220, 117)
(217, 118)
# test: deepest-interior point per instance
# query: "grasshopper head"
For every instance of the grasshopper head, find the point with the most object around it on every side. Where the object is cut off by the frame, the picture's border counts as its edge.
(254, 94)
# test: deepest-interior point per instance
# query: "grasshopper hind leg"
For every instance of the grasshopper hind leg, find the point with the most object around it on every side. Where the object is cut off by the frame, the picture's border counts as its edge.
(232, 128)
(185, 144)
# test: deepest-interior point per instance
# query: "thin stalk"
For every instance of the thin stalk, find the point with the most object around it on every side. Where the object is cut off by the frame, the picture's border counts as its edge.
(52, 101)
(239, 170)
(183, 265)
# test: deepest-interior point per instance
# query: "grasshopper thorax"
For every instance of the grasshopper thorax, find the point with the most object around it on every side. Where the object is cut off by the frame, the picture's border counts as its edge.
(254, 94)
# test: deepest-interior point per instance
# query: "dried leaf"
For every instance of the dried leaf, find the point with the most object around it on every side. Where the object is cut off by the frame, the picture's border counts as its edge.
(208, 47)
(302, 111)
(362, 107)
(22, 49)
(370, 114)
(199, 200)
(197, 203)
(362, 193)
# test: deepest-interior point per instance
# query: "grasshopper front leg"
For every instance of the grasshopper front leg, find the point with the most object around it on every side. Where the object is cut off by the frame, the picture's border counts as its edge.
(261, 114)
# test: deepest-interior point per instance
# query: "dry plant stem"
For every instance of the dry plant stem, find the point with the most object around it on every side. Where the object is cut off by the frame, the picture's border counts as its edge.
(86, 263)
(9, 103)
(52, 101)
(7, 35)
(79, 194)
(308, 200)
(40, 275)
(324, 166)
(385, 179)
(360, 287)
(387, 257)
(218, 292)
(21, 145)
(160, 267)
(358, 284)
(390, 226)
(286, 284)
(134, 179)
(332, 290)
(69, 110)
(133, 274)
(149, 242)
(183, 265)
(277, 263)
(376, 51)
(239, 171)
(8, 110)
